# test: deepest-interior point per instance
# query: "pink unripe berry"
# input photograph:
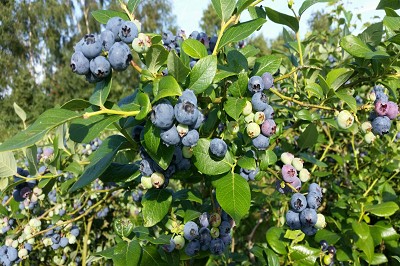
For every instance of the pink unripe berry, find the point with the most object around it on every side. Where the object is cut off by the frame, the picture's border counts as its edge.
(268, 128)
(289, 173)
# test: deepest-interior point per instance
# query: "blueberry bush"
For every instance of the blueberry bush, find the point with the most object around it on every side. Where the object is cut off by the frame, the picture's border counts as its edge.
(219, 156)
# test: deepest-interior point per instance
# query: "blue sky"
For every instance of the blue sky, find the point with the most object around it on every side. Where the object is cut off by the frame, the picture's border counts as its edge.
(189, 13)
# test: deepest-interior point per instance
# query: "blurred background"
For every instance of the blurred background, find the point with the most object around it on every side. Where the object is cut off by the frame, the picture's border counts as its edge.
(37, 39)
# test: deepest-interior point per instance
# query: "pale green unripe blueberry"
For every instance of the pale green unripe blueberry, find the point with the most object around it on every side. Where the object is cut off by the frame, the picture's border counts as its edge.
(366, 127)
(47, 242)
(27, 230)
(31, 241)
(321, 223)
(182, 130)
(297, 163)
(371, 96)
(327, 259)
(35, 223)
(71, 239)
(8, 242)
(233, 127)
(215, 219)
(179, 242)
(146, 182)
(214, 232)
(249, 118)
(259, 118)
(304, 175)
(345, 119)
(38, 191)
(157, 179)
(248, 108)
(138, 25)
(88, 147)
(22, 253)
(14, 244)
(142, 43)
(287, 158)
(253, 130)
(187, 152)
(369, 137)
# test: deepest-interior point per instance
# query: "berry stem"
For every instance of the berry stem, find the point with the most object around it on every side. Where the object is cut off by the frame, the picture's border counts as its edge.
(85, 240)
(354, 150)
(131, 18)
(110, 112)
(136, 66)
(370, 187)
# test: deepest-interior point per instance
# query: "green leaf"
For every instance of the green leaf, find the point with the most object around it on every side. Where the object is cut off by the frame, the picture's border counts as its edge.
(373, 34)
(267, 63)
(8, 165)
(324, 234)
(314, 89)
(176, 68)
(233, 194)
(309, 137)
(239, 87)
(267, 158)
(142, 99)
(19, 111)
(203, 74)
(207, 164)
(323, 84)
(348, 99)
(151, 141)
(257, 12)
(118, 172)
(304, 255)
(237, 62)
(275, 240)
(308, 3)
(272, 258)
(337, 77)
(156, 57)
(132, 5)
(247, 161)
(151, 256)
(127, 253)
(386, 231)
(167, 87)
(234, 107)
(240, 31)
(103, 16)
(377, 259)
(361, 229)
(304, 114)
(194, 48)
(100, 160)
(283, 19)
(35, 132)
(224, 8)
(242, 5)
(186, 194)
(76, 105)
(354, 46)
(156, 203)
(385, 209)
(101, 92)
(394, 4)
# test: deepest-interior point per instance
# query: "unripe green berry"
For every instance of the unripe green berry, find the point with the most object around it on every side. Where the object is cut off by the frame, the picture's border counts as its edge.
(259, 118)
(22, 253)
(249, 118)
(248, 108)
(297, 163)
(182, 130)
(253, 130)
(287, 157)
(369, 137)
(371, 96)
(146, 182)
(214, 232)
(157, 179)
(187, 152)
(366, 127)
(321, 223)
(304, 175)
(345, 119)
(327, 259)
(233, 127)
(215, 220)
(179, 242)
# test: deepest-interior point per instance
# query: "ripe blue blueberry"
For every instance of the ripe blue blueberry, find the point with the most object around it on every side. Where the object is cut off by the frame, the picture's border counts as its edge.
(119, 56)
(268, 80)
(128, 32)
(169, 247)
(107, 39)
(259, 101)
(224, 228)
(381, 125)
(269, 112)
(186, 113)
(74, 231)
(313, 200)
(100, 67)
(205, 238)
(91, 78)
(190, 230)
(261, 142)
(162, 115)
(298, 202)
(91, 46)
(79, 63)
(12, 253)
(293, 220)
(255, 84)
(204, 219)
(324, 245)
(167, 37)
(188, 95)
(191, 138)
(64, 242)
(194, 35)
(308, 217)
(314, 187)
(203, 38)
(199, 121)
(217, 246)
(309, 230)
(114, 25)
(170, 136)
(213, 42)
(218, 147)
(192, 248)
(253, 173)
(183, 164)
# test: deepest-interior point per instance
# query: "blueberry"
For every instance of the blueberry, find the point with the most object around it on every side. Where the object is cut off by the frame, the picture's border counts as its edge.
(91, 78)
(120, 56)
(75, 231)
(91, 46)
(55, 238)
(381, 108)
(17, 196)
(259, 101)
(63, 242)
(253, 173)
(25, 192)
(167, 37)
(203, 38)
(308, 217)
(199, 121)
(189, 96)
(169, 247)
(314, 200)
(191, 138)
(107, 39)
(192, 63)
(268, 80)
(183, 164)
(204, 238)
(314, 187)
(190, 230)
(244, 173)
(227, 239)
(309, 230)
(55, 246)
(324, 245)
(392, 110)
(217, 246)
(268, 128)
(128, 31)
(213, 42)
(289, 173)
(194, 35)
(79, 63)
(204, 219)
(186, 113)
(381, 125)
(296, 183)
(269, 112)
(170, 136)
(293, 220)
(261, 142)
(12, 253)
(162, 115)
(331, 250)
(218, 147)
(3, 250)
(192, 248)
(114, 25)
(256, 84)
(100, 67)
(224, 228)
(298, 202)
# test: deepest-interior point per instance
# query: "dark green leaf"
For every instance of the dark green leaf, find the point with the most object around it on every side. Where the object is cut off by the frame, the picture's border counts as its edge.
(224, 8)
(103, 16)
(242, 5)
(308, 3)
(377, 259)
(304, 114)
(76, 105)
(156, 203)
(348, 99)
(373, 34)
(354, 46)
(203, 74)
(237, 62)
(394, 4)
(257, 12)
(118, 172)
(247, 161)
(233, 194)
(151, 256)
(194, 48)
(304, 255)
(186, 194)
(267, 63)
(314, 89)
(234, 107)
(337, 77)
(240, 31)
(309, 137)
(132, 5)
(385, 209)
(167, 87)
(283, 19)
(156, 57)
(143, 100)
(101, 92)
(275, 240)
(324, 234)
(267, 158)
(239, 87)
(272, 258)
(176, 68)
(127, 253)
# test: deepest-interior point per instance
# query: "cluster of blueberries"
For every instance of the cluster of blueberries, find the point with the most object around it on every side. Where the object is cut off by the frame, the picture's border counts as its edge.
(260, 125)
(384, 112)
(91, 147)
(6, 224)
(329, 257)
(213, 236)
(154, 176)
(44, 154)
(56, 240)
(179, 123)
(293, 171)
(9, 255)
(24, 190)
(303, 214)
(88, 58)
